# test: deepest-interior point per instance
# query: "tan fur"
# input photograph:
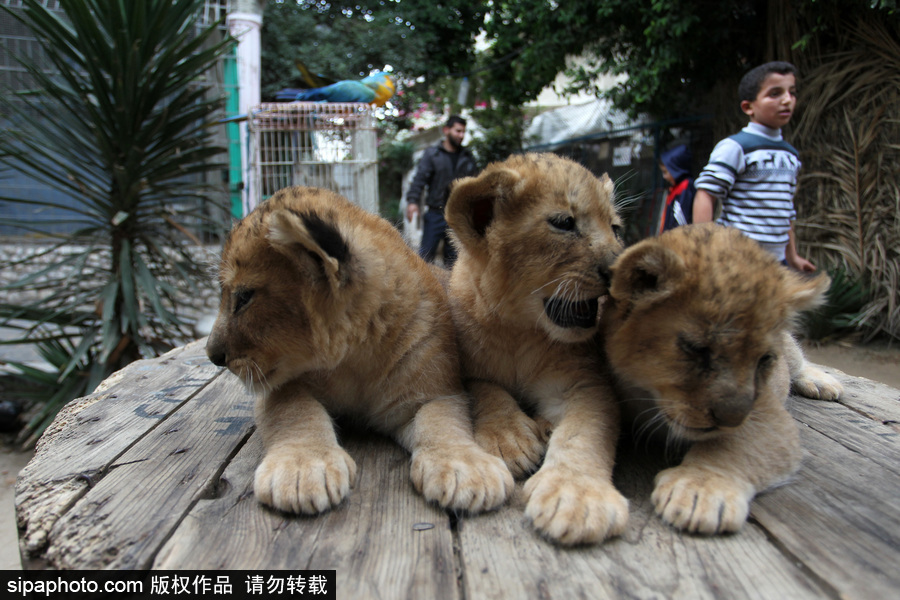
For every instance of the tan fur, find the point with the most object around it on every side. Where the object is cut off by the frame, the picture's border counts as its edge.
(807, 379)
(516, 253)
(698, 323)
(344, 319)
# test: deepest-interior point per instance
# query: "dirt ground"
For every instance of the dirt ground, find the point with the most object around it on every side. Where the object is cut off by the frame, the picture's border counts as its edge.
(11, 462)
(877, 362)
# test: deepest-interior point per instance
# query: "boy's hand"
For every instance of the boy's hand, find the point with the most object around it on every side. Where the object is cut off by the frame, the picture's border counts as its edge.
(801, 264)
(793, 259)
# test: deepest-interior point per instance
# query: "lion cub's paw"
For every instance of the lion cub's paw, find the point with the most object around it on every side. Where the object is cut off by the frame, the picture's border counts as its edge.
(461, 478)
(519, 440)
(305, 482)
(701, 501)
(813, 382)
(572, 508)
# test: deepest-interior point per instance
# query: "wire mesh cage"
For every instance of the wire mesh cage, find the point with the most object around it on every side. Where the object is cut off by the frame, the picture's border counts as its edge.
(325, 145)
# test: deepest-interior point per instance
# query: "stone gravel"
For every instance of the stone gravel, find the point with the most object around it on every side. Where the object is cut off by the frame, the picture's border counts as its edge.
(199, 309)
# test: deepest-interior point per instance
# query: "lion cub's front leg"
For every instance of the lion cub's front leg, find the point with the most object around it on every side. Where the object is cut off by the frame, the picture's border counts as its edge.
(504, 430)
(710, 492)
(571, 499)
(304, 470)
(448, 467)
(807, 379)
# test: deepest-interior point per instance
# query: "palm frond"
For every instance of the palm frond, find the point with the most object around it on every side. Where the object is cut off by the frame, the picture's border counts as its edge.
(849, 197)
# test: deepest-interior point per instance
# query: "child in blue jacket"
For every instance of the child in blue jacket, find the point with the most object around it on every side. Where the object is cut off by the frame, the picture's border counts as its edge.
(675, 165)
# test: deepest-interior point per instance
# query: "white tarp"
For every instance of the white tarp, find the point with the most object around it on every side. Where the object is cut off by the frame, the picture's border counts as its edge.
(571, 122)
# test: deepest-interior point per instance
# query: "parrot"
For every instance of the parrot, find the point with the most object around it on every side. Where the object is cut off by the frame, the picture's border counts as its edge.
(375, 89)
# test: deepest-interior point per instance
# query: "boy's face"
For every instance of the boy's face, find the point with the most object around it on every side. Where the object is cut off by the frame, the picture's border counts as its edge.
(775, 102)
(665, 174)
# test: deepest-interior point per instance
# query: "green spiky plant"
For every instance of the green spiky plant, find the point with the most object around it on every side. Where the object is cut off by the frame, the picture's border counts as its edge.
(117, 118)
(840, 315)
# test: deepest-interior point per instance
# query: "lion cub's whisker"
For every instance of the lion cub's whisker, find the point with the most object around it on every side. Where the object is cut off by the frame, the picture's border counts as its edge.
(516, 349)
(696, 318)
(325, 310)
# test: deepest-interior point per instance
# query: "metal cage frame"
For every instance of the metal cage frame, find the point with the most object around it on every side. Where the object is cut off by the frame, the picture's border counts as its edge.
(315, 144)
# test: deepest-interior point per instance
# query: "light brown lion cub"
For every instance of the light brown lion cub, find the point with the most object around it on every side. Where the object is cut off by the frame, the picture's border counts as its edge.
(537, 235)
(697, 328)
(325, 311)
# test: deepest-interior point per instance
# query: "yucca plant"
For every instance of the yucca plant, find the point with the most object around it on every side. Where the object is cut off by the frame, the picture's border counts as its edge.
(117, 118)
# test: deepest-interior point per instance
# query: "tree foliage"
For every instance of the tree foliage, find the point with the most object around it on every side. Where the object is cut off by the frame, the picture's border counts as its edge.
(673, 51)
(502, 133)
(420, 39)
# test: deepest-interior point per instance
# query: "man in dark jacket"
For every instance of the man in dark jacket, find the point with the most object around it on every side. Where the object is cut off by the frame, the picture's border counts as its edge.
(437, 169)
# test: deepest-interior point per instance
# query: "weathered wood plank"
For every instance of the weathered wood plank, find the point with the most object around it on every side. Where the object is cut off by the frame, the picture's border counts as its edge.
(91, 432)
(875, 400)
(121, 522)
(374, 540)
(503, 557)
(146, 472)
(840, 517)
(870, 438)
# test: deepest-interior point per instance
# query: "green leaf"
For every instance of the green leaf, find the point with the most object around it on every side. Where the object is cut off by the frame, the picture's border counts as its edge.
(118, 121)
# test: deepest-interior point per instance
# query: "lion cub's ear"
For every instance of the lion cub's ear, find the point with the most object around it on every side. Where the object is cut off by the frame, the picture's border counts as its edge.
(473, 203)
(608, 187)
(290, 232)
(646, 273)
(804, 292)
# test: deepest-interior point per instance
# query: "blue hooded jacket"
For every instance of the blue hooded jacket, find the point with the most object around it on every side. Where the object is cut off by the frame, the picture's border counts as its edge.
(677, 161)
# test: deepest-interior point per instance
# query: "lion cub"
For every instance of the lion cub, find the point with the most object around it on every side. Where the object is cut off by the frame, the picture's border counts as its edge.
(326, 311)
(698, 326)
(536, 236)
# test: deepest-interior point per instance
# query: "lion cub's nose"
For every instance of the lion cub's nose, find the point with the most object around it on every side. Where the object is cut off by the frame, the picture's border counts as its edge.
(732, 412)
(218, 359)
(216, 352)
(605, 274)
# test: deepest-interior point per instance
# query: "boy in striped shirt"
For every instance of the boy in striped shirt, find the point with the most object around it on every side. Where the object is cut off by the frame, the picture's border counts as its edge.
(754, 173)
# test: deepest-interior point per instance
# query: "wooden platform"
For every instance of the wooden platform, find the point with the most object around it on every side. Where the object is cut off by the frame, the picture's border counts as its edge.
(155, 471)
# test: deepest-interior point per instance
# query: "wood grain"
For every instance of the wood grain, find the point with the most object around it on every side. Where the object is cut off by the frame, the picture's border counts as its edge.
(872, 399)
(156, 471)
(503, 557)
(870, 438)
(124, 517)
(90, 433)
(384, 541)
(840, 517)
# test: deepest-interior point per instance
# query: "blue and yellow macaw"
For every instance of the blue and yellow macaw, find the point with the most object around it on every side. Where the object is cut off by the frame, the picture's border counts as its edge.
(375, 89)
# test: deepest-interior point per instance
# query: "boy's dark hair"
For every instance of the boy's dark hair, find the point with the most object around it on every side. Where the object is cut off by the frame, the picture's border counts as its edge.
(453, 120)
(752, 81)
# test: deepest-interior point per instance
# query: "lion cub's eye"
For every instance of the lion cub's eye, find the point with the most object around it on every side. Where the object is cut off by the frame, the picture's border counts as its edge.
(242, 297)
(765, 361)
(617, 231)
(562, 222)
(699, 354)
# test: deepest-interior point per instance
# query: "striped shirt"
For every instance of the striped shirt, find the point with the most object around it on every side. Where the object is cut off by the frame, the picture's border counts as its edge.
(754, 175)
